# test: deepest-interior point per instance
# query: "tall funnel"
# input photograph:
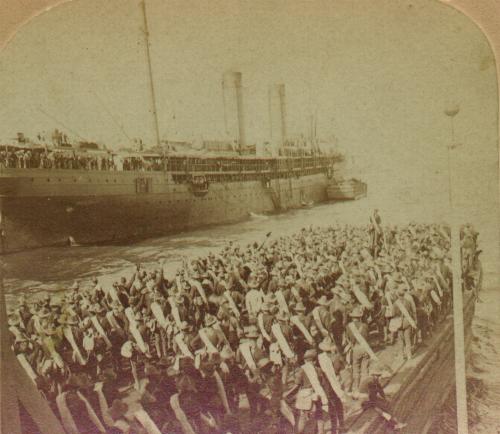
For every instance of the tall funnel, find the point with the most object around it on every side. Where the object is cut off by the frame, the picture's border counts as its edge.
(277, 114)
(233, 107)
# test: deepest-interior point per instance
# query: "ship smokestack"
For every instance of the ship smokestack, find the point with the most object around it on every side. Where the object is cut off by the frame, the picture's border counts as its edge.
(233, 107)
(277, 114)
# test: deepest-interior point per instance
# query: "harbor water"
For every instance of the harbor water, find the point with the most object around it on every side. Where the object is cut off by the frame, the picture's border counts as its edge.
(56, 269)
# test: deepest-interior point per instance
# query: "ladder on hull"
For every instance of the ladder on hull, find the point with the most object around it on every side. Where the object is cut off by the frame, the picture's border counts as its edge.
(275, 197)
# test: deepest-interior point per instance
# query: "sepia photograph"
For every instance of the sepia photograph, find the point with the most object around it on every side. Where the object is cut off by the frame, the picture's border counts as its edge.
(249, 217)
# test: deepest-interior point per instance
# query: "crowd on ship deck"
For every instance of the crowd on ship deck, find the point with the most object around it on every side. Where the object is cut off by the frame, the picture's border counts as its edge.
(45, 159)
(273, 337)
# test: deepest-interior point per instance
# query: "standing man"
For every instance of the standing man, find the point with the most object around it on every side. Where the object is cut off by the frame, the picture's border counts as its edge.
(406, 311)
(311, 399)
(254, 299)
(376, 233)
(357, 335)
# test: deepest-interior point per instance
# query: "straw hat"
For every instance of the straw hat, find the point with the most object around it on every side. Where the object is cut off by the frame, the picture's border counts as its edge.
(401, 290)
(210, 320)
(251, 332)
(299, 307)
(282, 316)
(322, 301)
(14, 319)
(43, 313)
(270, 298)
(397, 277)
(126, 350)
(376, 369)
(226, 353)
(207, 283)
(266, 307)
(310, 354)
(65, 319)
(97, 308)
(263, 363)
(327, 345)
(356, 312)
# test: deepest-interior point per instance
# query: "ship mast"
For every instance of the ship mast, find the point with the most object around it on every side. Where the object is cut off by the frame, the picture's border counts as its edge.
(150, 73)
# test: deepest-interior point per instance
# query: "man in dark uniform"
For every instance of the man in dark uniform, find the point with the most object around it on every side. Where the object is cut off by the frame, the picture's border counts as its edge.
(159, 389)
(321, 316)
(376, 398)
(233, 377)
(376, 233)
(212, 403)
(336, 408)
(70, 401)
(301, 343)
(272, 389)
(190, 401)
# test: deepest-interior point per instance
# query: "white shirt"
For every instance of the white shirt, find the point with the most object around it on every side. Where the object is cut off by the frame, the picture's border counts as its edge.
(253, 302)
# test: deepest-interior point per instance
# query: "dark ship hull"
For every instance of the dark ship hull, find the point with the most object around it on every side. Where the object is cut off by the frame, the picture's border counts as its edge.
(46, 207)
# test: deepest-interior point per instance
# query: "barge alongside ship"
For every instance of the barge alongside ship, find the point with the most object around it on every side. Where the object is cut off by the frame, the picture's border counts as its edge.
(347, 189)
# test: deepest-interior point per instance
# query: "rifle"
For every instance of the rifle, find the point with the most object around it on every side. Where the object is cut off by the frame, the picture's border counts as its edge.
(264, 242)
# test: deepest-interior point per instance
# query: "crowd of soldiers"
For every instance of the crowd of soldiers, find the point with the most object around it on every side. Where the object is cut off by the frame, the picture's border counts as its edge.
(44, 159)
(268, 338)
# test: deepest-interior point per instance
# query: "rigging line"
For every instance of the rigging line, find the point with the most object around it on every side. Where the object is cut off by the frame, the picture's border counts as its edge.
(150, 70)
(60, 123)
(73, 75)
(111, 116)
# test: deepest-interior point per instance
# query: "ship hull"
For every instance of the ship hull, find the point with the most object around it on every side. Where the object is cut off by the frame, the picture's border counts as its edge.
(47, 213)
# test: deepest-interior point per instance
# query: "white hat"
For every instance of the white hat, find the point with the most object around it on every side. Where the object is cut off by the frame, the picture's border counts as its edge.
(126, 350)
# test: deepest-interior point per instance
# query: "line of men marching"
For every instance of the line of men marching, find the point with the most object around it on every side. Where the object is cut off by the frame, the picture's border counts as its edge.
(269, 338)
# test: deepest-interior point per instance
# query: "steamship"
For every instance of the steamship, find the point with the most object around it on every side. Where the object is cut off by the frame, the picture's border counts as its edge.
(56, 206)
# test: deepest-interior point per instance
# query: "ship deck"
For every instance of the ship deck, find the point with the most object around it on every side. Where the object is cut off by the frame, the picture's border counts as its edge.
(423, 383)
